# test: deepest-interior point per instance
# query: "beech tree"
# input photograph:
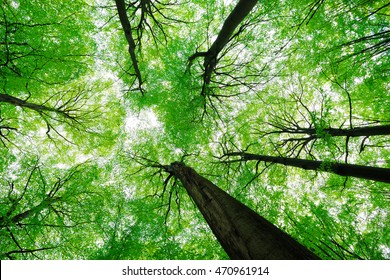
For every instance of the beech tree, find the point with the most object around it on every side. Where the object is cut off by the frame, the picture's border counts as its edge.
(359, 171)
(242, 233)
(145, 15)
(44, 87)
(300, 133)
(240, 11)
(120, 4)
(39, 213)
(95, 95)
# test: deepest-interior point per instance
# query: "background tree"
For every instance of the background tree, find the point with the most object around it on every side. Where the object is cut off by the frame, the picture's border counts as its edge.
(359, 171)
(144, 15)
(235, 18)
(121, 7)
(44, 85)
(44, 212)
(299, 129)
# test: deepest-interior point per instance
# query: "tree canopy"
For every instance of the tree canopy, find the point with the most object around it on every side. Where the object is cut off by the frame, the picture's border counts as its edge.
(284, 105)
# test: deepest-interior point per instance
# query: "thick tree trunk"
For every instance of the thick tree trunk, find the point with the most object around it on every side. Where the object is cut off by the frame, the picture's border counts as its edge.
(242, 233)
(353, 170)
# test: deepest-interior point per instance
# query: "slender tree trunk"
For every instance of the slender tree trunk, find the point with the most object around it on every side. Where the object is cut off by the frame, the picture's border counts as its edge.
(243, 233)
(354, 132)
(343, 169)
(121, 8)
(360, 131)
(36, 107)
(240, 11)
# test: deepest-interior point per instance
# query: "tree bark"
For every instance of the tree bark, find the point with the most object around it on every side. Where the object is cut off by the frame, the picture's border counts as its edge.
(242, 233)
(240, 11)
(121, 8)
(359, 171)
(360, 131)
(351, 132)
(36, 107)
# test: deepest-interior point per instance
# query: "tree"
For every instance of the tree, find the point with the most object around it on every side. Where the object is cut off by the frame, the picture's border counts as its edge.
(242, 233)
(38, 210)
(68, 109)
(42, 70)
(240, 11)
(300, 129)
(146, 15)
(359, 171)
(121, 7)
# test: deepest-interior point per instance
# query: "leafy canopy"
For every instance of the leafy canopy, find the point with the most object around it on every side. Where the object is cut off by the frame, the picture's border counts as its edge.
(79, 141)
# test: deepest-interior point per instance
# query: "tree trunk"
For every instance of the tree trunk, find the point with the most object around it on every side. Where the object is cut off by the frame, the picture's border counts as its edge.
(351, 132)
(46, 203)
(36, 107)
(242, 233)
(121, 8)
(359, 171)
(240, 11)
(24, 104)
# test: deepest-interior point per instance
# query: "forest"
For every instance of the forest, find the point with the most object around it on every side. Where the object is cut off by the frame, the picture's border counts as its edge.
(194, 129)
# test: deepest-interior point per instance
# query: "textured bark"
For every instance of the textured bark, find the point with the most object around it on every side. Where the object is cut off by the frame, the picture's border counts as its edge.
(343, 169)
(121, 8)
(242, 233)
(351, 132)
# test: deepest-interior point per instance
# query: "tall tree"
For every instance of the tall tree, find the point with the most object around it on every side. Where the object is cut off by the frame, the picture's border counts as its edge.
(121, 7)
(137, 17)
(47, 51)
(62, 108)
(353, 170)
(243, 233)
(235, 18)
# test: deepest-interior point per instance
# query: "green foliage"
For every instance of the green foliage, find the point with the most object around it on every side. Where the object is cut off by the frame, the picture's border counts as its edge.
(291, 67)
